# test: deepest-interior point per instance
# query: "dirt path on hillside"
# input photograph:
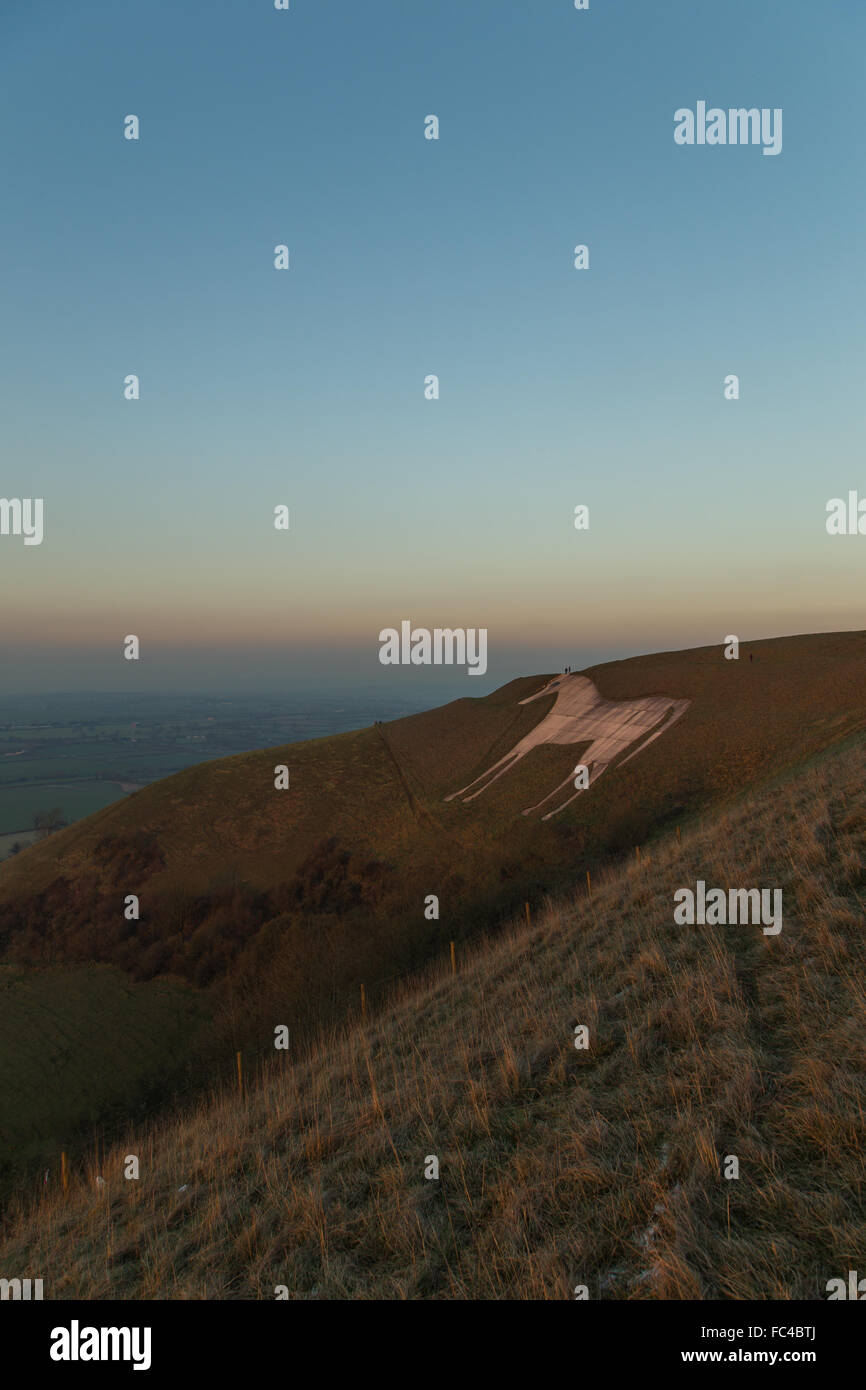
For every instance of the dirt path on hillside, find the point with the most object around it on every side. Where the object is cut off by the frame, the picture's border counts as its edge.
(414, 805)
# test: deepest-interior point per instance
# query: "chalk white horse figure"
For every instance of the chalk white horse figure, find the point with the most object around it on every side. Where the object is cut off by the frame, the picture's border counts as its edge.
(580, 714)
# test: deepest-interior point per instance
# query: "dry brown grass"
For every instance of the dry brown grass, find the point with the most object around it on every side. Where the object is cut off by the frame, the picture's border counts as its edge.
(558, 1167)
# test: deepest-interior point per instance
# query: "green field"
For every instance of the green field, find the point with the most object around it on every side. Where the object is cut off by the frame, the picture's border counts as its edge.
(127, 764)
(20, 837)
(19, 805)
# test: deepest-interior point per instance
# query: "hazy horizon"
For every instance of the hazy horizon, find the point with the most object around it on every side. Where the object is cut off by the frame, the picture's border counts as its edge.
(351, 673)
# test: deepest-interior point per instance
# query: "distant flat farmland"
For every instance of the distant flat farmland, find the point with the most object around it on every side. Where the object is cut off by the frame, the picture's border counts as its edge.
(23, 838)
(20, 804)
(81, 753)
(67, 762)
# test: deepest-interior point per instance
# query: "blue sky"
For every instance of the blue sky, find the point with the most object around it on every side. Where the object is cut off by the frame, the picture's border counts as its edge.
(411, 257)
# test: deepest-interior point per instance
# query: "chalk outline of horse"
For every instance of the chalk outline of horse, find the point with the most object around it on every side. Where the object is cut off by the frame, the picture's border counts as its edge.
(650, 715)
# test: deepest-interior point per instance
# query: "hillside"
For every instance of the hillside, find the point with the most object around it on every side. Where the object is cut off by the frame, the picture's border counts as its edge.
(83, 1046)
(280, 903)
(558, 1167)
(219, 833)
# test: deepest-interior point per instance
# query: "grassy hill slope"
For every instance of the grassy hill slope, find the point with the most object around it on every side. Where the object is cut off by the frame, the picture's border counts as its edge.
(64, 1029)
(277, 905)
(380, 793)
(558, 1167)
